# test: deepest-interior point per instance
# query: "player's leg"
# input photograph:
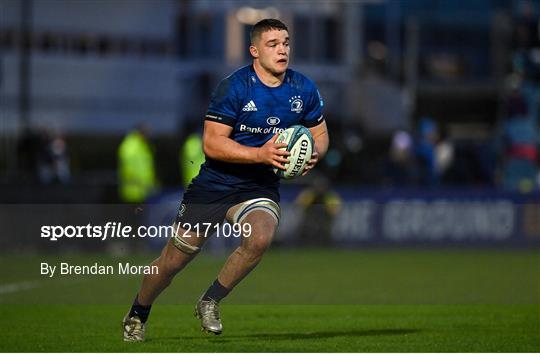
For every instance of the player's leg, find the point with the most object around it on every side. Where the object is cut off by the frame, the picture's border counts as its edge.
(250, 252)
(176, 254)
(263, 219)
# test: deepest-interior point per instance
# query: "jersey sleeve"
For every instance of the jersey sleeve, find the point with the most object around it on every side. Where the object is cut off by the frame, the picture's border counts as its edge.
(314, 108)
(223, 106)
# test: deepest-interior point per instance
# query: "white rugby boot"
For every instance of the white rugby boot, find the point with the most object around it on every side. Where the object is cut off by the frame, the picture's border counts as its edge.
(208, 313)
(133, 329)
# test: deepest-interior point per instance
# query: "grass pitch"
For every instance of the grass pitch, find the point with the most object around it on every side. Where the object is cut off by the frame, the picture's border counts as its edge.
(295, 301)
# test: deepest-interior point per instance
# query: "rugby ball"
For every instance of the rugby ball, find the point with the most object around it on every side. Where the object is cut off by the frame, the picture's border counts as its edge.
(300, 144)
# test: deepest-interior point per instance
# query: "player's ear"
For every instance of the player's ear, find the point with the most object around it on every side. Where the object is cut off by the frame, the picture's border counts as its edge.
(253, 51)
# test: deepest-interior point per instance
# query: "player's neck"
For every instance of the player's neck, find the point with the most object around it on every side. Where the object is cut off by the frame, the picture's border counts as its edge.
(266, 77)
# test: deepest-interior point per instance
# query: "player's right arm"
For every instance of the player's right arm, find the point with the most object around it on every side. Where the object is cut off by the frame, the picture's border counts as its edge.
(218, 145)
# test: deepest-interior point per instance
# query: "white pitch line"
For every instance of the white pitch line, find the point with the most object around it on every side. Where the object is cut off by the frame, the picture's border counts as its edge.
(16, 287)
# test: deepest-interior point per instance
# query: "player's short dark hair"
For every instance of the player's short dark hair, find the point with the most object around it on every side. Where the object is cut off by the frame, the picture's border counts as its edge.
(266, 25)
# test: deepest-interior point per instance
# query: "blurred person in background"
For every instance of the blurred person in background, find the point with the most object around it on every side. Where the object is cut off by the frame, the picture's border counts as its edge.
(519, 130)
(32, 152)
(518, 142)
(320, 206)
(44, 156)
(444, 156)
(400, 168)
(59, 170)
(425, 148)
(136, 167)
(191, 153)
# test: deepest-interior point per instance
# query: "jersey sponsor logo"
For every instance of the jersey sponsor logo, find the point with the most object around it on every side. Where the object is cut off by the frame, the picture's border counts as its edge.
(260, 130)
(250, 107)
(273, 120)
(296, 104)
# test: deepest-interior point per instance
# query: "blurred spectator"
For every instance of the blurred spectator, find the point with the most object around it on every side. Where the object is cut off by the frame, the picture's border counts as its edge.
(425, 152)
(31, 151)
(444, 155)
(518, 138)
(319, 206)
(191, 154)
(400, 167)
(137, 176)
(58, 170)
(44, 156)
(518, 142)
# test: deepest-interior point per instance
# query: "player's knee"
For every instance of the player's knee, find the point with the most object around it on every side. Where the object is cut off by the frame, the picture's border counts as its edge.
(257, 245)
(172, 262)
(171, 266)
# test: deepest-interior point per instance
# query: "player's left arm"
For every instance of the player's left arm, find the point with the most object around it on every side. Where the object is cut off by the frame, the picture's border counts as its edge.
(321, 140)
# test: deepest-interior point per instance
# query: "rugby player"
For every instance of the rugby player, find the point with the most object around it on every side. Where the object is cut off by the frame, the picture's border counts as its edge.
(236, 183)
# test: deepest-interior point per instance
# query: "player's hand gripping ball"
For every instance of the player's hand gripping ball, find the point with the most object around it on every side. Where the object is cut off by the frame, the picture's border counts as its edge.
(300, 144)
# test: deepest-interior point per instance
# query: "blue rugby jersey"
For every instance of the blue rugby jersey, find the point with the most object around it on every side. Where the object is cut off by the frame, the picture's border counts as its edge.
(257, 112)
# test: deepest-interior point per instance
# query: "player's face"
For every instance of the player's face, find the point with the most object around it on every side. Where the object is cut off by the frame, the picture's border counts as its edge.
(273, 51)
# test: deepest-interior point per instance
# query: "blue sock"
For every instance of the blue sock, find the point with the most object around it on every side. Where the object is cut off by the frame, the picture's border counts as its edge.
(139, 310)
(215, 292)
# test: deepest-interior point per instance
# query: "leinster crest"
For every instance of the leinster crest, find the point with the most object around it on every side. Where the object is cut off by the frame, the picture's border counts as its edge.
(296, 104)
